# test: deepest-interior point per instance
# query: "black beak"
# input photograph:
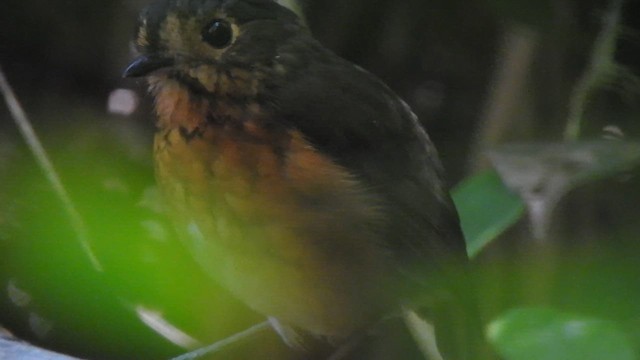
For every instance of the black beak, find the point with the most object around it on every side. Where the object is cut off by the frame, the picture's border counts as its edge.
(146, 64)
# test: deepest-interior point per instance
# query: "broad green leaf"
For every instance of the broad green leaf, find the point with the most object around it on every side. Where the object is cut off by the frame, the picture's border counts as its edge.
(486, 208)
(546, 334)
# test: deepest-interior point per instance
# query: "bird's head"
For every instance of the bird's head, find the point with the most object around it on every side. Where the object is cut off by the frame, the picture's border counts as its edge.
(209, 45)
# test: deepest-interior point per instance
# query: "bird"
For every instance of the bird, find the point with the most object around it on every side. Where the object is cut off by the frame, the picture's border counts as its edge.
(299, 181)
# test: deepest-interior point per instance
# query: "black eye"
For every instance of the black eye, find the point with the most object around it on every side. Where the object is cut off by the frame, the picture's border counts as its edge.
(218, 33)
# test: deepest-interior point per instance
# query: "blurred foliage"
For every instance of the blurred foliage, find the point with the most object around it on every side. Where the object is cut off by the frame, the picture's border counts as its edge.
(480, 226)
(545, 334)
(53, 294)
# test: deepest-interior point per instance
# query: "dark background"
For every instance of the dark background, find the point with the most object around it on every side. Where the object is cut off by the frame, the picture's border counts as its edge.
(443, 57)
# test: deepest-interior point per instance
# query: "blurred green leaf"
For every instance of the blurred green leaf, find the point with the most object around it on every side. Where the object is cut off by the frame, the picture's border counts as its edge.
(538, 333)
(151, 300)
(294, 6)
(486, 208)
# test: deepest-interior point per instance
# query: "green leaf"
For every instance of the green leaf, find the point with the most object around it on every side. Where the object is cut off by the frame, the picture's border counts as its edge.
(540, 334)
(486, 209)
(293, 5)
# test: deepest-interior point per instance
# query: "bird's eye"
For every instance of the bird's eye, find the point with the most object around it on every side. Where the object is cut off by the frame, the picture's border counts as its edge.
(218, 33)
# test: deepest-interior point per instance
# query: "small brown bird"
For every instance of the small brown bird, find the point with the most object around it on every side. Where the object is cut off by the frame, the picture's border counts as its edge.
(300, 181)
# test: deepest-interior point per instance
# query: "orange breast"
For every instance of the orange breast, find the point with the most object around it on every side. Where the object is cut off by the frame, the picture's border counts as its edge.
(286, 229)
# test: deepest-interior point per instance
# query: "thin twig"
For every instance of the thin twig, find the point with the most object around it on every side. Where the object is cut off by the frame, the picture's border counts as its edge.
(24, 125)
(602, 65)
(219, 345)
(506, 94)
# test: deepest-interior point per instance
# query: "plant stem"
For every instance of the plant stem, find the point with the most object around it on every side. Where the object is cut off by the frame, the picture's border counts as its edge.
(24, 125)
(219, 345)
(602, 64)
